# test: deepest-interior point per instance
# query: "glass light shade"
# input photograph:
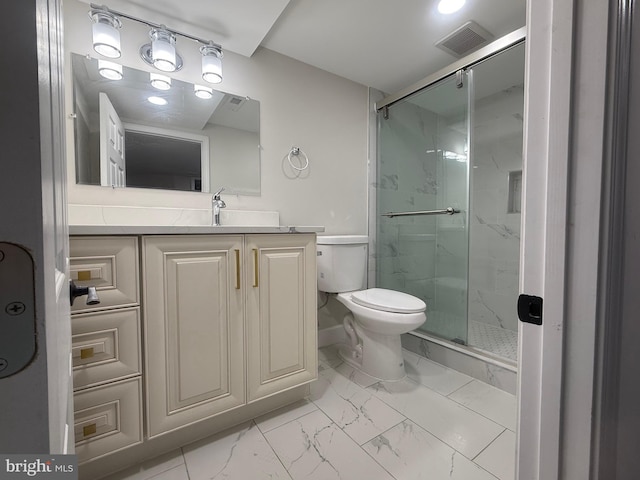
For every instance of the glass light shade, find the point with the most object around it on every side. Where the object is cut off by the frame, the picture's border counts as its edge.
(163, 50)
(203, 92)
(157, 100)
(161, 82)
(110, 70)
(450, 6)
(106, 36)
(211, 63)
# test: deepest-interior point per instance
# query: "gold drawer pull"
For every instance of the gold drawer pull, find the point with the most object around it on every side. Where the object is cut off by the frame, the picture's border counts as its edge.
(256, 273)
(237, 269)
(86, 352)
(89, 430)
(84, 275)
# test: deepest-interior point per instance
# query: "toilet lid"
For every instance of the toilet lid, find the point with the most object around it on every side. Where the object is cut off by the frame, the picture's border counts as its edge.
(388, 301)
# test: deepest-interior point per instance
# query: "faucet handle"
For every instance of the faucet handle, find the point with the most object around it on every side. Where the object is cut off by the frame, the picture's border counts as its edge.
(216, 195)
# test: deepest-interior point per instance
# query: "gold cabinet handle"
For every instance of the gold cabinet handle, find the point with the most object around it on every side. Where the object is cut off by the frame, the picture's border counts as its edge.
(84, 275)
(256, 273)
(86, 353)
(237, 269)
(89, 430)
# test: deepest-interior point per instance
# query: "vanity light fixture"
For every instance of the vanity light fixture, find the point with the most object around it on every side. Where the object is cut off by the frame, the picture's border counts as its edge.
(203, 92)
(157, 100)
(450, 6)
(161, 51)
(110, 70)
(106, 34)
(161, 82)
(211, 63)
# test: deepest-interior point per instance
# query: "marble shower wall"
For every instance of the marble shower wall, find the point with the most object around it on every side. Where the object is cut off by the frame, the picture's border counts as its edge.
(425, 256)
(494, 246)
(449, 316)
(465, 265)
(406, 180)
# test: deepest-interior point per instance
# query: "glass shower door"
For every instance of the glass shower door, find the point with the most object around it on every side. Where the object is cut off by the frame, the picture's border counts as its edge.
(423, 166)
(495, 207)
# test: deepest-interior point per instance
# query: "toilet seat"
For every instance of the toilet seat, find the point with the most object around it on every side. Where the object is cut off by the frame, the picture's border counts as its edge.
(388, 301)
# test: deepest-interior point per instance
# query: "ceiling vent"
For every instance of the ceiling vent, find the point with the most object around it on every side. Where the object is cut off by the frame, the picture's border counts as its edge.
(464, 40)
(234, 103)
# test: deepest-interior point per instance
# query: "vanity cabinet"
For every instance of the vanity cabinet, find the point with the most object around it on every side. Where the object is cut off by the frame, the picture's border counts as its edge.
(227, 332)
(194, 326)
(199, 292)
(106, 354)
(281, 313)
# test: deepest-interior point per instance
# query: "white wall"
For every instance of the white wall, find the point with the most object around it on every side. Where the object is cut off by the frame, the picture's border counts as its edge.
(323, 114)
(237, 149)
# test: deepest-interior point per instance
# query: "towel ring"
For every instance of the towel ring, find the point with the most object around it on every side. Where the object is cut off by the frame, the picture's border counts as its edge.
(295, 151)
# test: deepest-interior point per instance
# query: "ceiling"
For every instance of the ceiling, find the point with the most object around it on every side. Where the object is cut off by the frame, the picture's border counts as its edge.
(385, 44)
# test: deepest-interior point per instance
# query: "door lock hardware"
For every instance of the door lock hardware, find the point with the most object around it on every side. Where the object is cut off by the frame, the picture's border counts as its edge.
(530, 309)
(76, 291)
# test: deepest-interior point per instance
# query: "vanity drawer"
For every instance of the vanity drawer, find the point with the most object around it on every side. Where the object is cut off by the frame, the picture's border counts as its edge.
(105, 346)
(111, 265)
(107, 418)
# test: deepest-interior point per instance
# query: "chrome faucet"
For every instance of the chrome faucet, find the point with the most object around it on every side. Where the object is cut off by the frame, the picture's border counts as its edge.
(216, 204)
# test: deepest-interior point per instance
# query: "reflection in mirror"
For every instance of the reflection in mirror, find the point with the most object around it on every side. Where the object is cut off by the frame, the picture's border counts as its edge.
(151, 160)
(181, 142)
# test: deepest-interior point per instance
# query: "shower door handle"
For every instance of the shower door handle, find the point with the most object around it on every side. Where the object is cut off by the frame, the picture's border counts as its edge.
(444, 211)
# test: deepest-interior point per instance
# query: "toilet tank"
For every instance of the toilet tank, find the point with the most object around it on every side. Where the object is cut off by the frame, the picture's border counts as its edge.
(342, 263)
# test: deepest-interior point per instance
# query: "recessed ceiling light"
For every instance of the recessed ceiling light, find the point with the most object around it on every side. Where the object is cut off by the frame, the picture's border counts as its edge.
(161, 82)
(203, 92)
(110, 70)
(450, 6)
(157, 100)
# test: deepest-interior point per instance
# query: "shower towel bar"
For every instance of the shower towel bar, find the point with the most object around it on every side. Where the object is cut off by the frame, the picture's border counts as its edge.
(445, 211)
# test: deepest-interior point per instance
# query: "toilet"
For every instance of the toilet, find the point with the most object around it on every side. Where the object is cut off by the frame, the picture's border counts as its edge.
(377, 316)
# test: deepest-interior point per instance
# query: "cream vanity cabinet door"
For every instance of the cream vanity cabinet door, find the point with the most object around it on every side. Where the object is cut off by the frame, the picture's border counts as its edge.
(194, 335)
(281, 312)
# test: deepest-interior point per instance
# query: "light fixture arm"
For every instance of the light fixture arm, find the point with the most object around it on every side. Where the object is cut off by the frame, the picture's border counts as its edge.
(104, 8)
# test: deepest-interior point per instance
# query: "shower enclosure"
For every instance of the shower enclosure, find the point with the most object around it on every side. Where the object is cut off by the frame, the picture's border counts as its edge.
(448, 200)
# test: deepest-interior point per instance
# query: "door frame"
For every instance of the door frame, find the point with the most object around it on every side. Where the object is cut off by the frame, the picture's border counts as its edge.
(617, 367)
(36, 407)
(563, 193)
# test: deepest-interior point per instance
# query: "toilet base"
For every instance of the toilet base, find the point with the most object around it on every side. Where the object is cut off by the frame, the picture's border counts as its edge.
(381, 356)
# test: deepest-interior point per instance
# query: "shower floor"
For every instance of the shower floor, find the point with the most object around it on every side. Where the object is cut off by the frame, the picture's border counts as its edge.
(482, 336)
(496, 340)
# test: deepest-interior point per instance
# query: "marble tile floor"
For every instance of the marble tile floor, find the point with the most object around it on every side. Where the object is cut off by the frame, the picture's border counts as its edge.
(435, 424)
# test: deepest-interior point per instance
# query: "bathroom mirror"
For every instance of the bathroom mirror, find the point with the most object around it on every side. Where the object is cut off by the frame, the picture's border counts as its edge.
(183, 143)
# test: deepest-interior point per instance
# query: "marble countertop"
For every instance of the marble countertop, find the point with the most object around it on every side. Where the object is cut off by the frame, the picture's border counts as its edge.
(186, 229)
